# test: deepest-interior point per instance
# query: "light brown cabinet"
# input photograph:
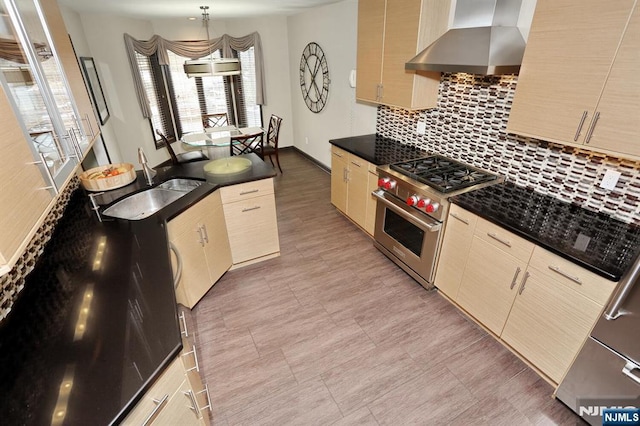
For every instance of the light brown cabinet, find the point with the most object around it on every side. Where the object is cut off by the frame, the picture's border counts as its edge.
(199, 236)
(455, 250)
(537, 303)
(252, 222)
(390, 33)
(577, 84)
(352, 181)
(23, 199)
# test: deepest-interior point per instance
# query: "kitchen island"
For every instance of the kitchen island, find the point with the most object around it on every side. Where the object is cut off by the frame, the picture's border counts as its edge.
(97, 322)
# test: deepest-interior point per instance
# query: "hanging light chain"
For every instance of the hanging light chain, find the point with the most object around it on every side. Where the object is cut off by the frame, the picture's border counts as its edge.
(205, 22)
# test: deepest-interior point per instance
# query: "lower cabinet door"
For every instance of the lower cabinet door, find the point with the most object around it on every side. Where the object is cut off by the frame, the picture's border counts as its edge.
(489, 284)
(253, 228)
(549, 323)
(216, 248)
(181, 409)
(195, 280)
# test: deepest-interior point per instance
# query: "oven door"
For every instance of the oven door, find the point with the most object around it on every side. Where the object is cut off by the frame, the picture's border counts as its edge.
(409, 238)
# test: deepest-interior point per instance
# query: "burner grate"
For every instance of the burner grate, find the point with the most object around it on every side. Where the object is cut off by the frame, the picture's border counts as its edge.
(442, 173)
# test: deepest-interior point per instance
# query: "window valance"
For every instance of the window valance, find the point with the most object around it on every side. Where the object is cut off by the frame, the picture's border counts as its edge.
(192, 50)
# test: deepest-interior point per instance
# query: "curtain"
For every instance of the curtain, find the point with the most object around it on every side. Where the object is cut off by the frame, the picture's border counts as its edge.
(193, 50)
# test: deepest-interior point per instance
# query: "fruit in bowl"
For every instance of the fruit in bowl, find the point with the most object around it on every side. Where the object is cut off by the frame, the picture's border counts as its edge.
(110, 176)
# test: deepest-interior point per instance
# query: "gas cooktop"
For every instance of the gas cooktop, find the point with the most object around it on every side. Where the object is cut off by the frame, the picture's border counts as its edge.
(442, 173)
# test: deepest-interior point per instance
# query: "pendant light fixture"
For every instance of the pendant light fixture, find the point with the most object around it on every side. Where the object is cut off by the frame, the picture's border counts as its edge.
(211, 66)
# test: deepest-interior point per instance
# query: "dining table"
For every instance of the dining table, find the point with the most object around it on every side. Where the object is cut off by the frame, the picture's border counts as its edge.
(216, 140)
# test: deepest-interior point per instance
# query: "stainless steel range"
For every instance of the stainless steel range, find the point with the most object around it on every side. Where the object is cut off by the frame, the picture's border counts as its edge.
(413, 206)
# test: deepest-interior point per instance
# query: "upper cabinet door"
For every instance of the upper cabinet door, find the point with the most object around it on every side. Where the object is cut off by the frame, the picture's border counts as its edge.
(571, 47)
(618, 126)
(371, 15)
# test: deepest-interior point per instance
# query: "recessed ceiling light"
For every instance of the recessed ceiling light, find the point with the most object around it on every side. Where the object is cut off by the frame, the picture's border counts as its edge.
(191, 18)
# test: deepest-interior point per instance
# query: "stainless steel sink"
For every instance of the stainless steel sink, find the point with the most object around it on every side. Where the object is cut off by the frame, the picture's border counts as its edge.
(180, 184)
(145, 203)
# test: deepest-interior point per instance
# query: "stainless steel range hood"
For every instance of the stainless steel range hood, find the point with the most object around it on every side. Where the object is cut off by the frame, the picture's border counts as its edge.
(484, 39)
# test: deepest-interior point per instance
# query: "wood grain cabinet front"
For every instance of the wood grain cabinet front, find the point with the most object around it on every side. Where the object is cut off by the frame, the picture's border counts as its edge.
(199, 236)
(391, 32)
(352, 182)
(252, 222)
(539, 304)
(578, 82)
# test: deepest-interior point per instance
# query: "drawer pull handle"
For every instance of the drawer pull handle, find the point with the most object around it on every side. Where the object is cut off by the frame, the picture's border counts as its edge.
(206, 392)
(515, 278)
(498, 239)
(252, 191)
(356, 164)
(564, 274)
(373, 173)
(337, 154)
(183, 320)
(160, 403)
(194, 403)
(455, 216)
(250, 208)
(584, 117)
(195, 359)
(592, 127)
(200, 236)
(524, 281)
(627, 370)
(205, 234)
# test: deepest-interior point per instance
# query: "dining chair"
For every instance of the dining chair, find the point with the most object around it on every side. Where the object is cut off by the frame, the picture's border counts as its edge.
(215, 120)
(246, 144)
(271, 147)
(183, 157)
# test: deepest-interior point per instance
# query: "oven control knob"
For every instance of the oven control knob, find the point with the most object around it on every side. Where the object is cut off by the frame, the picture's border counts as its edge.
(413, 201)
(382, 181)
(389, 184)
(433, 207)
(422, 203)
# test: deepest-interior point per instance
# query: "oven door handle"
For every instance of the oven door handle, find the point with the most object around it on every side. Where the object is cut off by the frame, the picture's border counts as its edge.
(400, 209)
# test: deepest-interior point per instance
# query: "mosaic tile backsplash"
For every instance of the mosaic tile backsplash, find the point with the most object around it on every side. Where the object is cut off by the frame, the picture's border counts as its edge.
(469, 124)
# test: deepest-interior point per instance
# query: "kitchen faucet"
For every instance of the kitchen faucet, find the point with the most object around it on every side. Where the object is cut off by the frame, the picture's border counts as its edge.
(148, 172)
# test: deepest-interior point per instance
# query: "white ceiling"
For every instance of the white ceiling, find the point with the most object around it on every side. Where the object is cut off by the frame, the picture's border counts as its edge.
(218, 9)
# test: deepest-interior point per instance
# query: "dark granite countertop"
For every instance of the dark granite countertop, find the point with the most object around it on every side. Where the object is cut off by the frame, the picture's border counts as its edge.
(96, 322)
(377, 149)
(595, 241)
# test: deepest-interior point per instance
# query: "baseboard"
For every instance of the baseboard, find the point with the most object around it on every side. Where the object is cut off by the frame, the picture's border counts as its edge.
(310, 158)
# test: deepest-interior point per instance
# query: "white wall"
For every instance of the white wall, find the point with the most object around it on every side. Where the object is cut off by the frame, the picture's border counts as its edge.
(334, 28)
(283, 39)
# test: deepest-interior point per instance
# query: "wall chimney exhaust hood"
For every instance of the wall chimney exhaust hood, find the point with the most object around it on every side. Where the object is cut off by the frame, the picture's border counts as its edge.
(483, 39)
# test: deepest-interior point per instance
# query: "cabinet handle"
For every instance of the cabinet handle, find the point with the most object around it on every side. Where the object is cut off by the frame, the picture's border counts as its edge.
(89, 123)
(356, 164)
(205, 233)
(194, 404)
(160, 403)
(52, 182)
(455, 216)
(373, 173)
(178, 275)
(524, 281)
(564, 274)
(195, 359)
(498, 239)
(627, 370)
(584, 117)
(346, 174)
(251, 191)
(183, 320)
(206, 392)
(200, 237)
(515, 277)
(250, 209)
(337, 154)
(592, 127)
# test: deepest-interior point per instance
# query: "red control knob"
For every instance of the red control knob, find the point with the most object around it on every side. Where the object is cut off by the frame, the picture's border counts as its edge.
(432, 207)
(382, 181)
(390, 184)
(413, 200)
(423, 203)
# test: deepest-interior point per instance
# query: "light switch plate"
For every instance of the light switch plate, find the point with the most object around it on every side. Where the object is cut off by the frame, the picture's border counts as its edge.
(422, 128)
(610, 179)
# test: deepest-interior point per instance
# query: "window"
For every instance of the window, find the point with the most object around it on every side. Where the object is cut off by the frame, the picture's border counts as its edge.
(178, 102)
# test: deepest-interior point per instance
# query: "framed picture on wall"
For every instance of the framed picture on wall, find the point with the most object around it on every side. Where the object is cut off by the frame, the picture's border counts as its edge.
(95, 88)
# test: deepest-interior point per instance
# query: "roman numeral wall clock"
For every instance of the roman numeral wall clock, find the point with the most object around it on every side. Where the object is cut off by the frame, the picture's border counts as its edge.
(314, 77)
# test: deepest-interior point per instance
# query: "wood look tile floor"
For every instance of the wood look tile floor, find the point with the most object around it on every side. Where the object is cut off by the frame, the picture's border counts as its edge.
(333, 333)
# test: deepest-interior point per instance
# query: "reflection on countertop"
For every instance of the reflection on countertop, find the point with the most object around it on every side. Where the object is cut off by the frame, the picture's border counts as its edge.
(593, 240)
(377, 149)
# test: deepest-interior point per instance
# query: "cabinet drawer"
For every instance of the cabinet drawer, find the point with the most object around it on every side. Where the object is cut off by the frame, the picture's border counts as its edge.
(587, 283)
(253, 228)
(339, 152)
(504, 240)
(167, 385)
(246, 190)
